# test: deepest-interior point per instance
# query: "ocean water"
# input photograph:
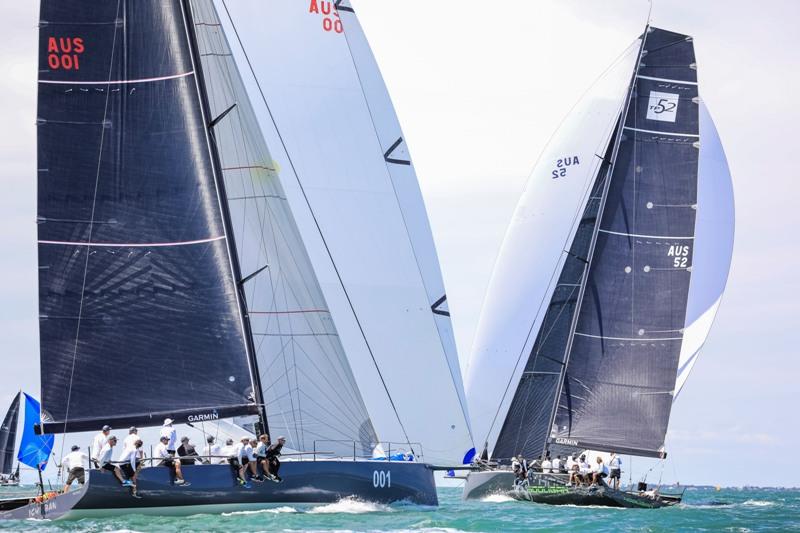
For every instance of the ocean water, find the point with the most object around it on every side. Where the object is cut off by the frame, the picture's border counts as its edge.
(702, 510)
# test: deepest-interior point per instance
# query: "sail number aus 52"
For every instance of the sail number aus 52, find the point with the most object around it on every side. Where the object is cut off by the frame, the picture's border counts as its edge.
(382, 479)
(679, 255)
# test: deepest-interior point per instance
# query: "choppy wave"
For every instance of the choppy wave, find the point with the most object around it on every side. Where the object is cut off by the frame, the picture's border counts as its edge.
(497, 498)
(758, 503)
(350, 506)
(275, 510)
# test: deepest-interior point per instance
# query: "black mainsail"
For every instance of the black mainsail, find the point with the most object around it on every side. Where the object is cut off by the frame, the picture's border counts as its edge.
(602, 370)
(140, 316)
(8, 436)
(619, 380)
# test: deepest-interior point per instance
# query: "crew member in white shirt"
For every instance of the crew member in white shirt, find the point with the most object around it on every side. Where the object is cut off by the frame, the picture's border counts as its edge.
(616, 470)
(130, 460)
(168, 459)
(212, 452)
(130, 440)
(599, 471)
(104, 460)
(98, 442)
(239, 460)
(547, 465)
(556, 465)
(168, 431)
(74, 463)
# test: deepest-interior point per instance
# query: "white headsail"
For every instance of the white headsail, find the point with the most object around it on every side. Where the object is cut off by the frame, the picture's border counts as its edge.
(323, 107)
(533, 251)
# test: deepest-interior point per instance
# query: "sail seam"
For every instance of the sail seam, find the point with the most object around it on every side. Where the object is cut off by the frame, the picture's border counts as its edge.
(640, 236)
(133, 245)
(663, 132)
(653, 78)
(639, 339)
(118, 82)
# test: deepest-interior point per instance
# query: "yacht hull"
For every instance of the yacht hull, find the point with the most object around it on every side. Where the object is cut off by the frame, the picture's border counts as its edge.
(213, 488)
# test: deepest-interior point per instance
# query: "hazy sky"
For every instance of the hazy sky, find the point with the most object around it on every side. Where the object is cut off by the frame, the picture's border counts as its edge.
(479, 88)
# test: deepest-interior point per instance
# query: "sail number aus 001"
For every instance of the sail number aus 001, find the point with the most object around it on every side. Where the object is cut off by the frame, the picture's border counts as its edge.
(382, 479)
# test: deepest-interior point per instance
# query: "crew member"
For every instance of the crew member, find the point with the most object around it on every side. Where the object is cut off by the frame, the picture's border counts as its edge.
(130, 440)
(98, 442)
(557, 466)
(599, 471)
(616, 470)
(187, 452)
(73, 463)
(261, 454)
(130, 460)
(168, 459)
(104, 460)
(547, 464)
(273, 452)
(212, 452)
(585, 470)
(238, 460)
(168, 431)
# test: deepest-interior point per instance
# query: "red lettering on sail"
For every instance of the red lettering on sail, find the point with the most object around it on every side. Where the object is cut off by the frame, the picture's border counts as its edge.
(63, 53)
(329, 13)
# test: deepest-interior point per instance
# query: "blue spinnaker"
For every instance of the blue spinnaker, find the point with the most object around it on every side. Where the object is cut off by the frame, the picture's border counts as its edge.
(34, 450)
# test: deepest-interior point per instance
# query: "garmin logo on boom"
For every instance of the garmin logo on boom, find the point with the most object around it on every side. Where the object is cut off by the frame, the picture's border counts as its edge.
(205, 417)
(567, 442)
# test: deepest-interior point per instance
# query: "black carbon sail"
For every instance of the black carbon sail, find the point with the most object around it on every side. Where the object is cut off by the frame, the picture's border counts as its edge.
(618, 385)
(139, 312)
(8, 436)
(528, 422)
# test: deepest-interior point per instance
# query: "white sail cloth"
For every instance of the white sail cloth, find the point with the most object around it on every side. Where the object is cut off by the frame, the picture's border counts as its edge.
(329, 123)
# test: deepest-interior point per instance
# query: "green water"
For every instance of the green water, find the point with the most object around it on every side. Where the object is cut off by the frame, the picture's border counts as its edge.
(702, 510)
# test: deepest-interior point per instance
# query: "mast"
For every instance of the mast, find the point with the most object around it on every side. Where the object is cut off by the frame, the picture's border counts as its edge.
(226, 217)
(598, 221)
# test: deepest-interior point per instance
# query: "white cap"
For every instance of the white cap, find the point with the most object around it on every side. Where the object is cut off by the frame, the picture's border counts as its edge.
(246, 437)
(167, 421)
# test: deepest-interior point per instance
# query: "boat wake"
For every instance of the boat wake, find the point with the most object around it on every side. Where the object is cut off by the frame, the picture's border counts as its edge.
(350, 506)
(758, 503)
(497, 498)
(276, 510)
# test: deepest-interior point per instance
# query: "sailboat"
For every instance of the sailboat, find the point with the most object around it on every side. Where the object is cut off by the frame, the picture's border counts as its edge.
(607, 282)
(8, 441)
(178, 277)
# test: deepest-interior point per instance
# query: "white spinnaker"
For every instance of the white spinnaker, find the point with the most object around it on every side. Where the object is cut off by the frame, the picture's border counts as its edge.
(532, 253)
(713, 249)
(355, 228)
(406, 186)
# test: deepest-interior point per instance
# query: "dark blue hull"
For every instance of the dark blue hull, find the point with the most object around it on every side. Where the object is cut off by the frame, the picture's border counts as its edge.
(213, 488)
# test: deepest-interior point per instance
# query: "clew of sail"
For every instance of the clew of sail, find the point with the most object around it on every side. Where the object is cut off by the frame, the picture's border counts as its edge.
(308, 386)
(136, 281)
(328, 122)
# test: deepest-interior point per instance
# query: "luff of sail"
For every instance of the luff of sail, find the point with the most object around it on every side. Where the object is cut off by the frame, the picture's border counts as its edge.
(335, 173)
(135, 277)
(8, 436)
(308, 386)
(619, 380)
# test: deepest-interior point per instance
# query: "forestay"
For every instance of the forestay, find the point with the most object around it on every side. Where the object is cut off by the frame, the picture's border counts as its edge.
(356, 202)
(136, 283)
(308, 386)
